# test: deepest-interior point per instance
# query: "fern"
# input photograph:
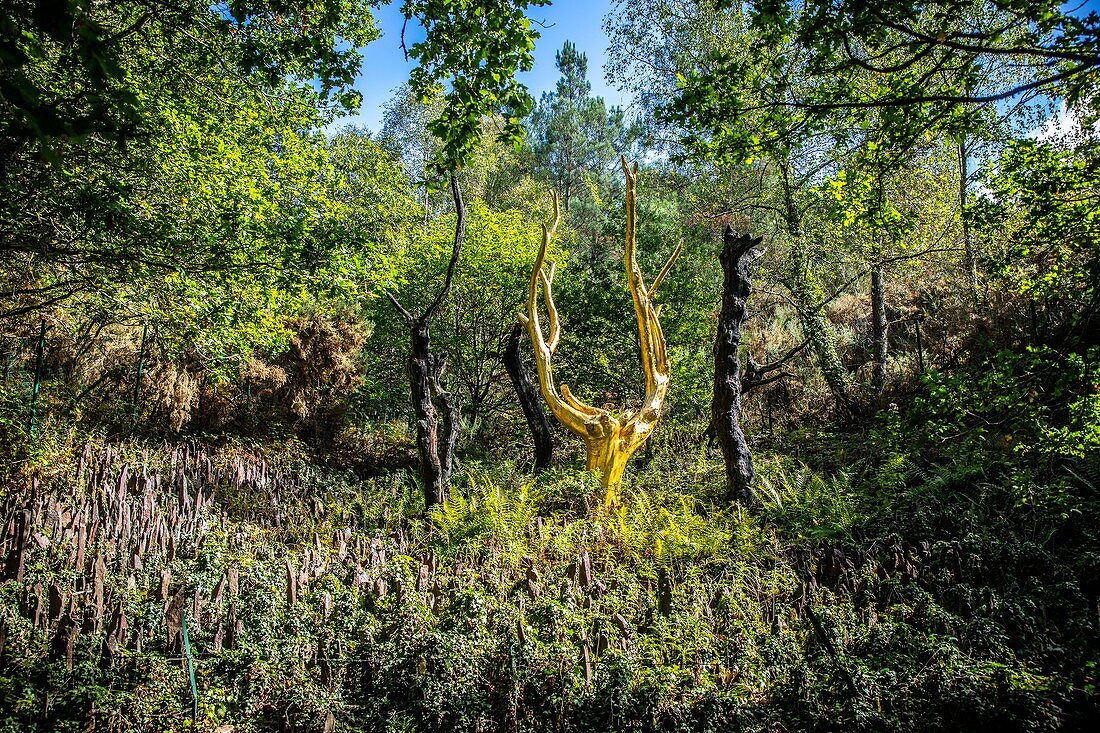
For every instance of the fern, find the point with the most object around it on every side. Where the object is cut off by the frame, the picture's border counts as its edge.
(801, 501)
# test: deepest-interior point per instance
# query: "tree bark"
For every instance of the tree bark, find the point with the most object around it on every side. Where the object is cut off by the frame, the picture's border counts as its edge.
(756, 375)
(434, 445)
(880, 329)
(968, 248)
(738, 253)
(419, 367)
(450, 415)
(807, 296)
(817, 328)
(529, 400)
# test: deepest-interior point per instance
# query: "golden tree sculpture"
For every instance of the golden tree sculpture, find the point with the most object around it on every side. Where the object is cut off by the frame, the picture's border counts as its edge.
(610, 440)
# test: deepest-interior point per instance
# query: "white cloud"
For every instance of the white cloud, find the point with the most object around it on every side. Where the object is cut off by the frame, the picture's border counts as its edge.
(1063, 125)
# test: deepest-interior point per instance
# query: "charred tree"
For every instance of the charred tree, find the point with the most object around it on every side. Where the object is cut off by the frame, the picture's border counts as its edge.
(431, 403)
(739, 251)
(449, 413)
(529, 400)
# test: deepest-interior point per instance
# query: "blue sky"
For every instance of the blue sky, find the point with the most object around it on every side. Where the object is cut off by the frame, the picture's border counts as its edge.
(1083, 7)
(579, 21)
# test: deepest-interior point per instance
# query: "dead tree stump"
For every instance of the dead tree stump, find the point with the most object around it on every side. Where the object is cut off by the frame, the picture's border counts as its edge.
(739, 251)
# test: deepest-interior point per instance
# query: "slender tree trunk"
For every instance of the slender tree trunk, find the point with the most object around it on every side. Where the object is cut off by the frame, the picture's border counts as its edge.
(968, 247)
(434, 443)
(737, 256)
(807, 296)
(425, 158)
(529, 400)
(451, 418)
(420, 371)
(817, 328)
(39, 353)
(880, 345)
(140, 371)
(880, 328)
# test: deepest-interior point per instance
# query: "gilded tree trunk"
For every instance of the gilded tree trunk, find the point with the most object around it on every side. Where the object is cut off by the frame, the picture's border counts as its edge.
(737, 256)
(608, 454)
(610, 440)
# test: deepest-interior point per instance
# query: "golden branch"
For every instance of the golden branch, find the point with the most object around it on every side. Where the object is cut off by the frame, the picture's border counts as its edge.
(610, 441)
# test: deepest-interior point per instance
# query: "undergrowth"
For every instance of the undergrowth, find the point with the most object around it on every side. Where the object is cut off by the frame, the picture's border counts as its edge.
(902, 598)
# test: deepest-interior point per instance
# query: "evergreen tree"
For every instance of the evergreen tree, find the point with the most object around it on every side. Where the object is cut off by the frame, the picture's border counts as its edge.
(573, 133)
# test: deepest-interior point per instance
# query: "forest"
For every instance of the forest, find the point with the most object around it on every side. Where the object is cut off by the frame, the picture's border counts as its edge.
(766, 401)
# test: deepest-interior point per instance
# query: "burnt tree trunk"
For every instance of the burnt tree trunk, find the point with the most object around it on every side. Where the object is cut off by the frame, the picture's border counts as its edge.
(529, 400)
(435, 443)
(738, 253)
(449, 414)
(419, 369)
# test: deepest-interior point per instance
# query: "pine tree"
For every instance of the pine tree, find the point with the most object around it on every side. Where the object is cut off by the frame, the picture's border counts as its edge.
(573, 133)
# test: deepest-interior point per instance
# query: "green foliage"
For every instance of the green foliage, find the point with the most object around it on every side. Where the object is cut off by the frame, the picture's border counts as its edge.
(489, 289)
(687, 613)
(1043, 227)
(573, 134)
(75, 68)
(920, 559)
(1031, 405)
(903, 68)
(175, 230)
(476, 47)
(805, 504)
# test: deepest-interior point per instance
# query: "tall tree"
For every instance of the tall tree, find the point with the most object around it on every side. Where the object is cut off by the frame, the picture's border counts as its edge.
(745, 83)
(475, 47)
(435, 443)
(1039, 214)
(406, 135)
(572, 132)
(73, 68)
(768, 174)
(610, 438)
